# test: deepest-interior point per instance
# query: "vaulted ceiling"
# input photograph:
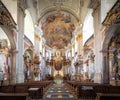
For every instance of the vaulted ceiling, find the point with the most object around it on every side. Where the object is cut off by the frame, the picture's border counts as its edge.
(58, 19)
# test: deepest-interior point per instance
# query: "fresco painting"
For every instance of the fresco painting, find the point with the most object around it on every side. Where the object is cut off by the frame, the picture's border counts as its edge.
(58, 27)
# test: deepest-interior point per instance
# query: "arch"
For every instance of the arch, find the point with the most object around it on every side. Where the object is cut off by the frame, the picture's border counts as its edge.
(113, 30)
(50, 9)
(112, 24)
(10, 36)
(7, 24)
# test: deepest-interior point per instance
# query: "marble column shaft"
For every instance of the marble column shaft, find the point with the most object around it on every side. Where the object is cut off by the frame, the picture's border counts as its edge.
(20, 45)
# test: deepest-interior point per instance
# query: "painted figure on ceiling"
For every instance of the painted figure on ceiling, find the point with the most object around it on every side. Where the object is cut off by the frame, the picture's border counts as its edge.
(58, 28)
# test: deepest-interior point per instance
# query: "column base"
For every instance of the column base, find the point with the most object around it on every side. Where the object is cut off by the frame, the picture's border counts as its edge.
(97, 78)
(20, 78)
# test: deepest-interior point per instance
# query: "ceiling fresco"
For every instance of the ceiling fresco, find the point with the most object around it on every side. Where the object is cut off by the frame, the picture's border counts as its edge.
(58, 27)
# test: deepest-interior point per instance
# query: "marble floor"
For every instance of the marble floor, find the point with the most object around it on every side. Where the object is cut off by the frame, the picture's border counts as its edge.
(59, 92)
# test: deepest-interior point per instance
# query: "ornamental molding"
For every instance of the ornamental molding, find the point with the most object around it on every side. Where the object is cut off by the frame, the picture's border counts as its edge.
(79, 37)
(26, 39)
(94, 4)
(38, 31)
(5, 17)
(22, 5)
(113, 17)
(53, 8)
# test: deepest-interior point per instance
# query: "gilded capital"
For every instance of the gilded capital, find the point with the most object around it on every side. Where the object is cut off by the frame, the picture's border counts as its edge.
(37, 37)
(79, 37)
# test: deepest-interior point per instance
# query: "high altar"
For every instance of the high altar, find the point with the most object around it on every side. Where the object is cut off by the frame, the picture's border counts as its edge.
(58, 64)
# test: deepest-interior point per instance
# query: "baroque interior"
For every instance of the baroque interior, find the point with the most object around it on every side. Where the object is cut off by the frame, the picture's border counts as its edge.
(60, 41)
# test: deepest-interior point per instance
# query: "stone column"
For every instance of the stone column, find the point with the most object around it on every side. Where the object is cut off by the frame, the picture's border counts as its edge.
(95, 5)
(105, 68)
(20, 42)
(111, 67)
(12, 77)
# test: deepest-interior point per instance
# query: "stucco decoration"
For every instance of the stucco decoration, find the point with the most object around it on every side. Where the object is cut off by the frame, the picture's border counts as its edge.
(58, 27)
(5, 17)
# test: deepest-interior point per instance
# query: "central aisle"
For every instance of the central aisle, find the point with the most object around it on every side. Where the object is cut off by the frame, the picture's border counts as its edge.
(59, 91)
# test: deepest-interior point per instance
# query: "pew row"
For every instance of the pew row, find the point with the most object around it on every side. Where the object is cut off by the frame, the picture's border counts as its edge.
(89, 90)
(108, 96)
(14, 96)
(35, 89)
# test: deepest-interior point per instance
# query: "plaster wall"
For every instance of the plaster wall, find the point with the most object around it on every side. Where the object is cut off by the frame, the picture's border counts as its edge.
(29, 26)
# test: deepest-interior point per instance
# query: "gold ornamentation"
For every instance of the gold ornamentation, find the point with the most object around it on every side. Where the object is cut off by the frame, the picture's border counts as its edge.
(5, 17)
(113, 15)
(58, 27)
(37, 37)
(79, 37)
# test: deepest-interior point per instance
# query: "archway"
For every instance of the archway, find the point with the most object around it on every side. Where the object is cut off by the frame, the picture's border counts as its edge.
(5, 62)
(108, 52)
(112, 25)
(9, 55)
(8, 27)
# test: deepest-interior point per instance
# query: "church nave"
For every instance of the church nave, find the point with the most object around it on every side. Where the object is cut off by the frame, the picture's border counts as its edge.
(60, 49)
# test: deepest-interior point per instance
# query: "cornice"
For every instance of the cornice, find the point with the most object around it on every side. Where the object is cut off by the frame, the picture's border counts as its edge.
(94, 4)
(53, 8)
(5, 17)
(22, 6)
(113, 15)
(27, 40)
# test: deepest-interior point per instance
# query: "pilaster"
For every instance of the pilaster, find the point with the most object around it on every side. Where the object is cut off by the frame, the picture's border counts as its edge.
(20, 42)
(95, 5)
(13, 67)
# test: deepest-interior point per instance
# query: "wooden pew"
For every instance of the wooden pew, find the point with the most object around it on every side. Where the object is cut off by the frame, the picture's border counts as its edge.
(38, 88)
(35, 93)
(25, 87)
(40, 85)
(86, 91)
(7, 89)
(101, 88)
(108, 96)
(114, 89)
(14, 96)
(83, 90)
(107, 92)
(21, 88)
